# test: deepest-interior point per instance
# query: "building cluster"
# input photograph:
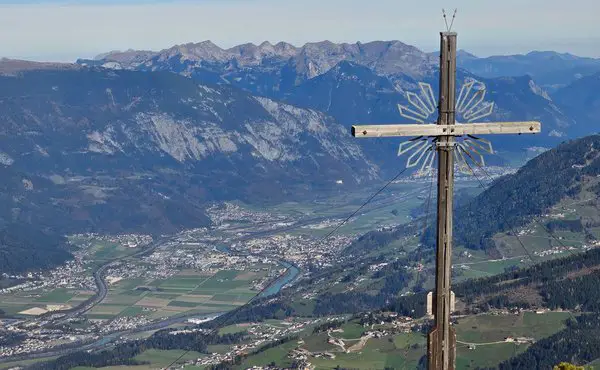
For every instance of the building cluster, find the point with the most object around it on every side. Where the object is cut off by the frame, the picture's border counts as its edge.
(203, 250)
(124, 323)
(519, 340)
(72, 275)
(224, 213)
(391, 321)
(554, 250)
(302, 250)
(323, 224)
(127, 240)
(37, 339)
(259, 335)
(489, 172)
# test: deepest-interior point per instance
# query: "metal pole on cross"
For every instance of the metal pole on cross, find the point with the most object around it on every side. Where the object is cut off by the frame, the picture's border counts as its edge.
(441, 348)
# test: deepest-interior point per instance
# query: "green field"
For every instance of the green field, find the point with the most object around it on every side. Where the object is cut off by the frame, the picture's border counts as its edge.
(10, 365)
(318, 343)
(185, 292)
(182, 304)
(277, 354)
(59, 295)
(351, 331)
(402, 351)
(13, 303)
(104, 251)
(107, 309)
(183, 282)
(159, 358)
(486, 356)
(486, 329)
(128, 284)
(369, 358)
(155, 359)
(232, 329)
(131, 311)
(490, 328)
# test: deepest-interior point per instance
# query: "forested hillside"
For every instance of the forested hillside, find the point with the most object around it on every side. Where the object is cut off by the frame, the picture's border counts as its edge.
(564, 283)
(569, 283)
(513, 200)
(24, 248)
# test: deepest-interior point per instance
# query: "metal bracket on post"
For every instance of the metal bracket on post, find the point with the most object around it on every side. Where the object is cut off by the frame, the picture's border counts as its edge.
(445, 144)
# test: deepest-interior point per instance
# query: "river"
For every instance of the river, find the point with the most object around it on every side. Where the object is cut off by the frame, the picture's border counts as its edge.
(276, 285)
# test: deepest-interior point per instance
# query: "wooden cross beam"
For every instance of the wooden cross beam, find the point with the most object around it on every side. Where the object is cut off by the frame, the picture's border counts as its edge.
(529, 127)
(441, 346)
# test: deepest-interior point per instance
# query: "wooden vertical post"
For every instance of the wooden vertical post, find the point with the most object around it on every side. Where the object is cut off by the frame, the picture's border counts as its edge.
(442, 338)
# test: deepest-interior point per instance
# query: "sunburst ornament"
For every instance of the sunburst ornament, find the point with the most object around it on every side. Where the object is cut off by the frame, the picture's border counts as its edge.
(470, 106)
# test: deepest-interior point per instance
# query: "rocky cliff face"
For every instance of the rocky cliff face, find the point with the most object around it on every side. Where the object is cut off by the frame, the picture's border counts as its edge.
(116, 150)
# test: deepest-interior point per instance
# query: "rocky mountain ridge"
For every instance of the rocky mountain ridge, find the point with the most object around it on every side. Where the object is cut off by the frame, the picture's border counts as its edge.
(552, 70)
(385, 57)
(581, 101)
(354, 83)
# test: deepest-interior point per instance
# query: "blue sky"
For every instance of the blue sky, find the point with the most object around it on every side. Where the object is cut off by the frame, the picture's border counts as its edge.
(64, 30)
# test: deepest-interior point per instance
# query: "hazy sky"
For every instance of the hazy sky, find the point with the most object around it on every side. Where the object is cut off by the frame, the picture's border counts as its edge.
(64, 30)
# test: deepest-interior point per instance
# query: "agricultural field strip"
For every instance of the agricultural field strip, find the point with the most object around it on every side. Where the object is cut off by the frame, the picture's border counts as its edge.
(182, 301)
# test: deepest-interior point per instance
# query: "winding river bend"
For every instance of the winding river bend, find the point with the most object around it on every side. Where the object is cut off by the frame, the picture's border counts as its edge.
(291, 273)
(276, 285)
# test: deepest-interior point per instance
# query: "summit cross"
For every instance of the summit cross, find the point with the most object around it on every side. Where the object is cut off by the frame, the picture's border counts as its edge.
(441, 341)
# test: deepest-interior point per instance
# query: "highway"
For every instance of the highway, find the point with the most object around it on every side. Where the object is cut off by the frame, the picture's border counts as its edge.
(106, 341)
(101, 286)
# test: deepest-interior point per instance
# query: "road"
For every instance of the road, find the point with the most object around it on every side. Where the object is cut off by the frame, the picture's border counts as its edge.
(373, 206)
(101, 286)
(97, 344)
(482, 344)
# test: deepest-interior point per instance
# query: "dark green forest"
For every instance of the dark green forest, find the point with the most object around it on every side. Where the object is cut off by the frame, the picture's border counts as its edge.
(24, 248)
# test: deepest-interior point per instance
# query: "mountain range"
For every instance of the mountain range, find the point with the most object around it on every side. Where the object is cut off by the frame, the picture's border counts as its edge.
(550, 69)
(364, 82)
(121, 143)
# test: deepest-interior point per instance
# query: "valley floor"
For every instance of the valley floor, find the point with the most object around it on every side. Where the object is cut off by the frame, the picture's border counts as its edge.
(201, 273)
